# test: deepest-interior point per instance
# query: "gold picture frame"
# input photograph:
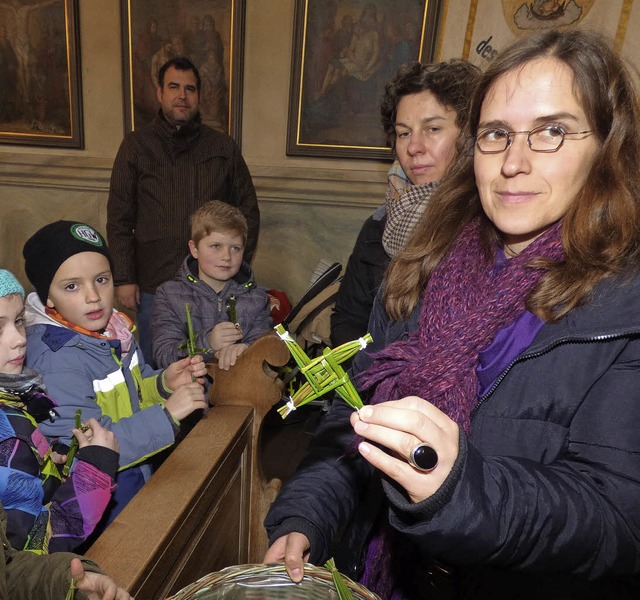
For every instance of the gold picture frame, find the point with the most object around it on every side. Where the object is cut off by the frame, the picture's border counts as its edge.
(344, 52)
(208, 32)
(40, 77)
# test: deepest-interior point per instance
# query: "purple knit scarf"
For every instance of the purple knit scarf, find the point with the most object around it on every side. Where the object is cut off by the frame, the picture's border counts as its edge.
(468, 299)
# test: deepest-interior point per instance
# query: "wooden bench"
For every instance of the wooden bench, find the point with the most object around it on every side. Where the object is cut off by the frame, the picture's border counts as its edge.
(203, 508)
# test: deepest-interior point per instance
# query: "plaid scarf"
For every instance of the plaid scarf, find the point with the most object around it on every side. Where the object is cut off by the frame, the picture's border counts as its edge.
(404, 204)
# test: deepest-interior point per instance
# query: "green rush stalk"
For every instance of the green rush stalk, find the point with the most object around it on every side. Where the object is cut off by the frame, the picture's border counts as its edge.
(231, 310)
(71, 594)
(73, 448)
(191, 337)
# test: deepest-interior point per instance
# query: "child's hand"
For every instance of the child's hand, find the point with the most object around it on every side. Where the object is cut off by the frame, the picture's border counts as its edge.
(96, 435)
(227, 356)
(181, 372)
(185, 400)
(223, 335)
(58, 459)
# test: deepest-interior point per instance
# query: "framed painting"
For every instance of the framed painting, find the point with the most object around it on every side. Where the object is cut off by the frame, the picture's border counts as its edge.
(344, 52)
(208, 32)
(478, 29)
(40, 98)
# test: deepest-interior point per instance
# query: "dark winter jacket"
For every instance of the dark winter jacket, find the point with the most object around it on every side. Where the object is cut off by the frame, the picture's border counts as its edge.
(208, 308)
(362, 278)
(543, 499)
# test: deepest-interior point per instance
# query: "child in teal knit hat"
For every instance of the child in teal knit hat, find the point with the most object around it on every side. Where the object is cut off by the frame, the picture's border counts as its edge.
(9, 284)
(46, 512)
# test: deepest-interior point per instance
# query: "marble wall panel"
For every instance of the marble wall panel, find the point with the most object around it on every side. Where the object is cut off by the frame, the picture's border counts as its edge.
(307, 216)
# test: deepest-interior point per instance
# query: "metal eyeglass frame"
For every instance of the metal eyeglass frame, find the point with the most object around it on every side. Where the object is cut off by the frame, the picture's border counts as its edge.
(510, 134)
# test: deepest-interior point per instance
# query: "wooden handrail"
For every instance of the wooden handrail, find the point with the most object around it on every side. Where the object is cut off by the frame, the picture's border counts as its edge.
(253, 382)
(203, 509)
(191, 517)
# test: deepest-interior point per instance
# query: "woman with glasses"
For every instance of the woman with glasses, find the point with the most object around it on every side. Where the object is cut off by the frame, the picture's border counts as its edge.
(504, 415)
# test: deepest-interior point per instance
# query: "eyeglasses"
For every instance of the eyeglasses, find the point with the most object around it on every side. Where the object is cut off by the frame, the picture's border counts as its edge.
(546, 138)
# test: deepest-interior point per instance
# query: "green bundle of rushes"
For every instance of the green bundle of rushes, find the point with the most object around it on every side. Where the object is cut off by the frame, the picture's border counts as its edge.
(344, 593)
(73, 448)
(190, 343)
(323, 373)
(71, 594)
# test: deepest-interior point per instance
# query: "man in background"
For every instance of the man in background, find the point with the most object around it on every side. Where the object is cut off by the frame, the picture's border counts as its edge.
(161, 175)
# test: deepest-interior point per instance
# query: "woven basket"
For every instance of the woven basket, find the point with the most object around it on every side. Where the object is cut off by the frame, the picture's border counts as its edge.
(258, 582)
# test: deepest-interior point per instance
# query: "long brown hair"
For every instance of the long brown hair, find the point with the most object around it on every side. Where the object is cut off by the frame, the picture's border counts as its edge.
(601, 229)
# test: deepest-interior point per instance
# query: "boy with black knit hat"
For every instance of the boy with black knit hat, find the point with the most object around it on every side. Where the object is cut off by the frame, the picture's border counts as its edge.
(88, 357)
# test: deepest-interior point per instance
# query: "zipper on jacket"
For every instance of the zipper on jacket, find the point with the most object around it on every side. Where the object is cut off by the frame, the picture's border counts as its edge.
(115, 357)
(552, 346)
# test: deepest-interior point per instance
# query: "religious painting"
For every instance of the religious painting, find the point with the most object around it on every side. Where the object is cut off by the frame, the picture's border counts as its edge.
(344, 53)
(478, 29)
(40, 99)
(210, 33)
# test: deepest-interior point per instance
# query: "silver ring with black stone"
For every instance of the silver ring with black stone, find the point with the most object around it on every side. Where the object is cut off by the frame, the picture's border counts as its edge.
(423, 458)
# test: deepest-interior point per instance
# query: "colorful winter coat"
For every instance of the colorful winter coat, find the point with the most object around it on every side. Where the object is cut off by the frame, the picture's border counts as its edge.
(83, 372)
(46, 513)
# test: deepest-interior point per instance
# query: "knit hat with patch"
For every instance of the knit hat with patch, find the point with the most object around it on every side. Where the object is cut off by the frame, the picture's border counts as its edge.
(9, 284)
(50, 246)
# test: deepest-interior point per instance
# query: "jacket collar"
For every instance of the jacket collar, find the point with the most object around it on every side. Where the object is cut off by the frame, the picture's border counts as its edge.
(187, 131)
(610, 312)
(243, 278)
(56, 336)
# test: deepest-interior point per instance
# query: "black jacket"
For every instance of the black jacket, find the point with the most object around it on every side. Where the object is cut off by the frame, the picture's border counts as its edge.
(543, 501)
(362, 278)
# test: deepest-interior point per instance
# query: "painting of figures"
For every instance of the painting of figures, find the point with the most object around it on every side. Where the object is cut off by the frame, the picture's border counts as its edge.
(40, 100)
(344, 54)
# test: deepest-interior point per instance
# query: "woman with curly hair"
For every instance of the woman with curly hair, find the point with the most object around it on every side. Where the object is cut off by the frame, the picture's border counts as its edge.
(424, 112)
